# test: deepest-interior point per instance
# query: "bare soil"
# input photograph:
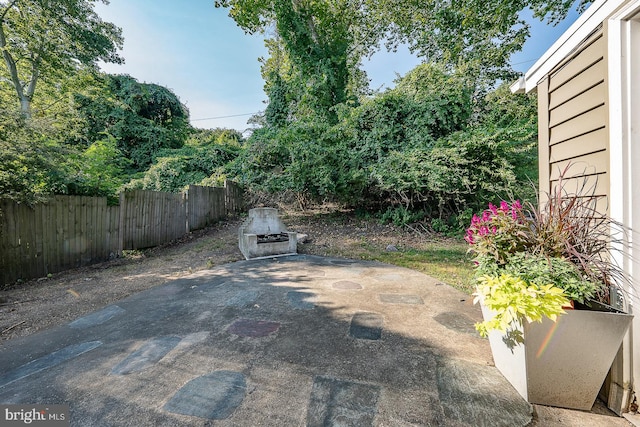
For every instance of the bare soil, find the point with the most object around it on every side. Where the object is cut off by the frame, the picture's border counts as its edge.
(35, 305)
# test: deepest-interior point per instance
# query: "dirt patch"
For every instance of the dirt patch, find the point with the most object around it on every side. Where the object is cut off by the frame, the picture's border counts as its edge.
(39, 304)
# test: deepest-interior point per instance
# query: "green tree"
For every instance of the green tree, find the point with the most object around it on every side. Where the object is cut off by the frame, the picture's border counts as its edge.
(32, 164)
(321, 39)
(201, 160)
(476, 34)
(100, 170)
(284, 85)
(143, 118)
(47, 40)
(327, 39)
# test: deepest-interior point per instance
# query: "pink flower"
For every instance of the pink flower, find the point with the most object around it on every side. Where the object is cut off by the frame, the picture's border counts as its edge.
(469, 237)
(504, 206)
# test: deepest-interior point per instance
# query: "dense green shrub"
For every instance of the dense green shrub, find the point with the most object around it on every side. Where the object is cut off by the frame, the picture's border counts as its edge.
(32, 164)
(143, 118)
(458, 173)
(426, 148)
(298, 158)
(400, 216)
(173, 170)
(434, 148)
(100, 170)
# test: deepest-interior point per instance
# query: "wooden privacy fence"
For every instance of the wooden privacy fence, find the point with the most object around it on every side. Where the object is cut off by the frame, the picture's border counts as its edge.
(73, 231)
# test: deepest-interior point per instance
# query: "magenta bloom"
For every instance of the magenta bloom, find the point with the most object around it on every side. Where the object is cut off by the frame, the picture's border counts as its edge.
(469, 237)
(496, 220)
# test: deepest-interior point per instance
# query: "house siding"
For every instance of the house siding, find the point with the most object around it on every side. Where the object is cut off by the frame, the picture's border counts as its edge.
(588, 96)
(573, 122)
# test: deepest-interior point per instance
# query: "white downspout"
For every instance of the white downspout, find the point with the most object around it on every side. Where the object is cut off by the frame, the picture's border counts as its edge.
(623, 38)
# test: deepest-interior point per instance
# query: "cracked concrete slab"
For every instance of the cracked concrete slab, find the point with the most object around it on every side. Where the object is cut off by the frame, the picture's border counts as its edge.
(271, 342)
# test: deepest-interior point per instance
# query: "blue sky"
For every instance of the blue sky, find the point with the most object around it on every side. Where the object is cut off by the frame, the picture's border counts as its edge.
(198, 52)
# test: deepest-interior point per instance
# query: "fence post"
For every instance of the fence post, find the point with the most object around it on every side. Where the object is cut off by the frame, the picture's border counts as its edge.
(121, 223)
(185, 202)
(232, 202)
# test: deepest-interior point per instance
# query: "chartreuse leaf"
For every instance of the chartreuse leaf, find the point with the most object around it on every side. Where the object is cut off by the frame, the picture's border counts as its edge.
(513, 300)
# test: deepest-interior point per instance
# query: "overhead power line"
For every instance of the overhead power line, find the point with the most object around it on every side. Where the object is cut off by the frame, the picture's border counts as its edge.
(524, 62)
(223, 117)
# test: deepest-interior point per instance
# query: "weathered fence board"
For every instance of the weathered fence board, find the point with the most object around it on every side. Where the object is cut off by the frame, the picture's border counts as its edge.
(152, 218)
(52, 236)
(234, 197)
(205, 206)
(73, 231)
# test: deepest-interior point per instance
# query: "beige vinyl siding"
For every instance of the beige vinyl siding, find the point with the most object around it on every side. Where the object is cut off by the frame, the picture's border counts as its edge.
(588, 54)
(590, 100)
(573, 120)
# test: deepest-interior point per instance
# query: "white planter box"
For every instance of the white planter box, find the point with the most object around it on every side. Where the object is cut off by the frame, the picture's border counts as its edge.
(565, 363)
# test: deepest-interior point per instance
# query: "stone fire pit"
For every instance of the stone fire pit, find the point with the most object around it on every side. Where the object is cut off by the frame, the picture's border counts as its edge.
(263, 234)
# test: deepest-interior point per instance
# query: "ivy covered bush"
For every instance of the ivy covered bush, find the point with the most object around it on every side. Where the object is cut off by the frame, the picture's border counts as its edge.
(201, 160)
(434, 146)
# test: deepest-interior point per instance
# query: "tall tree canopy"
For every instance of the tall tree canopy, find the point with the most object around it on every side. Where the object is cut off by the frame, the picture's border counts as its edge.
(326, 39)
(322, 40)
(478, 33)
(142, 117)
(48, 39)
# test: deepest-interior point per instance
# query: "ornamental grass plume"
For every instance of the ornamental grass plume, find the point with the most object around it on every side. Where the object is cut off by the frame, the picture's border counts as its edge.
(569, 228)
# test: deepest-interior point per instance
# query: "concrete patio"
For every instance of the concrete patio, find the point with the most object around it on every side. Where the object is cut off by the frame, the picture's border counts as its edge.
(291, 341)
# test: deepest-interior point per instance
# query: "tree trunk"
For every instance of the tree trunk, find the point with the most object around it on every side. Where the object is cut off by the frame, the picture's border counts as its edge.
(25, 99)
(25, 106)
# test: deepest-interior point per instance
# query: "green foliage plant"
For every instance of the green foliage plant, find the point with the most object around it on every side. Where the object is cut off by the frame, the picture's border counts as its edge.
(440, 226)
(102, 171)
(540, 270)
(566, 244)
(514, 300)
(400, 216)
(48, 40)
(497, 237)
